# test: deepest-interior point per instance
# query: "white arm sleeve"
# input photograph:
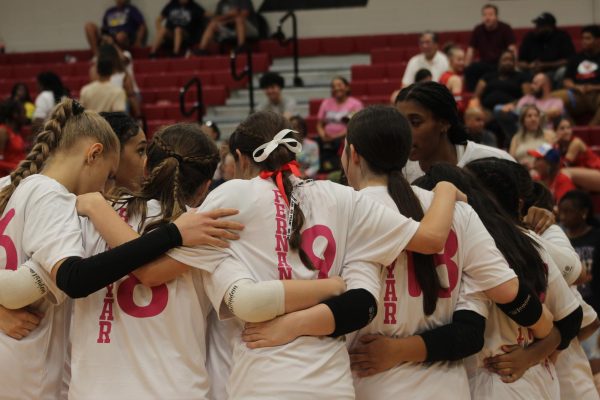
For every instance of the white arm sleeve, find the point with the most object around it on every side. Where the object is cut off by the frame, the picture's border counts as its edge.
(256, 301)
(20, 288)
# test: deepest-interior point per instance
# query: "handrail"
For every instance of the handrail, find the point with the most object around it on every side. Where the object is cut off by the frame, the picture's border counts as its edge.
(280, 36)
(248, 71)
(198, 105)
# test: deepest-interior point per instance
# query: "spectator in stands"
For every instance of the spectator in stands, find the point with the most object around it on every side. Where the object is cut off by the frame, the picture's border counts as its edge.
(576, 215)
(438, 135)
(539, 95)
(272, 84)
(578, 159)
(423, 75)
(51, 90)
(12, 145)
(475, 126)
(453, 78)
(546, 49)
(547, 168)
(501, 87)
(233, 19)
(102, 95)
(430, 58)
(489, 39)
(309, 156)
(20, 93)
(334, 114)
(582, 78)
(181, 21)
(211, 129)
(530, 136)
(124, 23)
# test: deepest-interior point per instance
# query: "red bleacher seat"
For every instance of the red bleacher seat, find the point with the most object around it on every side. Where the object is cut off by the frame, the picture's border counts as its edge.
(313, 106)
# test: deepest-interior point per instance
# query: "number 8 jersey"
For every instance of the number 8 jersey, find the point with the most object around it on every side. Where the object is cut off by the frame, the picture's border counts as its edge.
(470, 255)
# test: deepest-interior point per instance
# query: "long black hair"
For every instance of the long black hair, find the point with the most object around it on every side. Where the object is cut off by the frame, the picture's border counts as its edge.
(382, 137)
(502, 184)
(440, 102)
(50, 81)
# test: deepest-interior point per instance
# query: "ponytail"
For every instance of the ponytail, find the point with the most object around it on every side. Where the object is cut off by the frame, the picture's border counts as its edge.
(382, 137)
(425, 269)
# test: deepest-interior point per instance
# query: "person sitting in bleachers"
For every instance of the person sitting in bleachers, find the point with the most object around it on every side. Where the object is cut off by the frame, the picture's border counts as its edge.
(582, 78)
(102, 95)
(123, 22)
(547, 168)
(489, 39)
(181, 21)
(50, 91)
(308, 158)
(120, 77)
(475, 127)
(453, 78)
(233, 19)
(530, 136)
(272, 84)
(430, 58)
(333, 117)
(20, 93)
(12, 144)
(578, 159)
(546, 49)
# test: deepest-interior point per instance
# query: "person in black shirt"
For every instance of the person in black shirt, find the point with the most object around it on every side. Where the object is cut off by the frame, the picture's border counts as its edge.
(180, 20)
(546, 49)
(582, 79)
(234, 18)
(576, 214)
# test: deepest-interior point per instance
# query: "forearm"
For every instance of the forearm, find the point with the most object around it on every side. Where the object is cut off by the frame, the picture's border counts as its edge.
(140, 34)
(20, 288)
(111, 227)
(469, 56)
(589, 330)
(302, 294)
(314, 321)
(433, 230)
(553, 64)
(542, 349)
(408, 349)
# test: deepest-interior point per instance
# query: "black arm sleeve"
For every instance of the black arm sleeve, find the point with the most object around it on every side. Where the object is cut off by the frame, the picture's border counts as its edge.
(569, 327)
(525, 309)
(79, 277)
(455, 341)
(352, 310)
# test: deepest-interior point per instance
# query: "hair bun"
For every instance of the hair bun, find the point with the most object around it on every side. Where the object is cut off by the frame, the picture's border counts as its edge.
(77, 108)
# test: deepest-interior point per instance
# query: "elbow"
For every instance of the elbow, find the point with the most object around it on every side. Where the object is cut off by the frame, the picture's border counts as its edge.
(434, 243)
(147, 279)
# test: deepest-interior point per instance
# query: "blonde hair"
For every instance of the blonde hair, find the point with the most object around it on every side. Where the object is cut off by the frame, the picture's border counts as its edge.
(522, 133)
(67, 124)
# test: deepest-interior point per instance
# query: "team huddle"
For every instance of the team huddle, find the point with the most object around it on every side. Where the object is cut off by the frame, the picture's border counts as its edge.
(272, 286)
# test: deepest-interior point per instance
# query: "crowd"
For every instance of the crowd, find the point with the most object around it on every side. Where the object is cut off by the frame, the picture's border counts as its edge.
(461, 252)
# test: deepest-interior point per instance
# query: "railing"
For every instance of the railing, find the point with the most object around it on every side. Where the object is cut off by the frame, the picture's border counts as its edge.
(280, 36)
(246, 72)
(198, 105)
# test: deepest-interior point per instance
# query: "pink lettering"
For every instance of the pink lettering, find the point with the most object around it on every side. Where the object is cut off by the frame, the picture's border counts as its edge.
(282, 243)
(281, 226)
(282, 259)
(107, 310)
(105, 328)
(280, 211)
(278, 197)
(390, 290)
(308, 239)
(285, 273)
(160, 297)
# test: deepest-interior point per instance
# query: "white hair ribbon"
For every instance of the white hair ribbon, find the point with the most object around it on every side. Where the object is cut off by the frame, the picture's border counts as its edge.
(292, 144)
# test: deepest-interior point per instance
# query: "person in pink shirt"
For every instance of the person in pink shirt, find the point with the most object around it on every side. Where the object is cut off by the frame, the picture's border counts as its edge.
(334, 114)
(540, 96)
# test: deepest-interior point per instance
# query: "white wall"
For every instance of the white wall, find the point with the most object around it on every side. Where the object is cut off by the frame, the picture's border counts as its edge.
(27, 25)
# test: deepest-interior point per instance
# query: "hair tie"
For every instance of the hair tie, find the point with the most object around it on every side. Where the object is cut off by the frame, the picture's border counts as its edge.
(267, 148)
(291, 166)
(77, 108)
(177, 157)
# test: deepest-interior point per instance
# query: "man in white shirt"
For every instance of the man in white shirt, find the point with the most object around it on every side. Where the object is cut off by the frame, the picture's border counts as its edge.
(102, 95)
(429, 58)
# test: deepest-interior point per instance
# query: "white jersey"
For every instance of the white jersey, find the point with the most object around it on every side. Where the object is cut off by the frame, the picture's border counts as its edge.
(465, 153)
(39, 223)
(344, 234)
(557, 244)
(540, 381)
(134, 342)
(470, 255)
(573, 368)
(219, 343)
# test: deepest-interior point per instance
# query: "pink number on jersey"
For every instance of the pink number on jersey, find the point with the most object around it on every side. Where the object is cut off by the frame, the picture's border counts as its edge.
(308, 239)
(160, 297)
(450, 249)
(7, 243)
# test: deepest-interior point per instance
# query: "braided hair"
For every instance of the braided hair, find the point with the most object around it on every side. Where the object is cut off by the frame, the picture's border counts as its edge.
(181, 158)
(68, 123)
